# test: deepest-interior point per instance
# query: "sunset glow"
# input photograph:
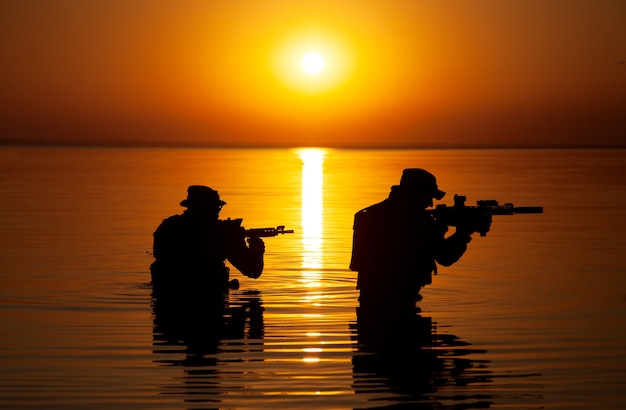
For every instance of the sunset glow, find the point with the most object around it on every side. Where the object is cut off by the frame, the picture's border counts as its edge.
(387, 75)
(301, 73)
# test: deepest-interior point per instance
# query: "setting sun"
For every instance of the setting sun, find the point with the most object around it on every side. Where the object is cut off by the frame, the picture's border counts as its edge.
(313, 63)
(289, 74)
(310, 62)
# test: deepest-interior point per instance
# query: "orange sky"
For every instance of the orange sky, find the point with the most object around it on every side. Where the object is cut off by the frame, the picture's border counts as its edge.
(409, 73)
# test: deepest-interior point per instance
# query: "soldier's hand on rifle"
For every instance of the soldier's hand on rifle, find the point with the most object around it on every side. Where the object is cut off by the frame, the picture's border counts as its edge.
(478, 223)
(256, 244)
(484, 224)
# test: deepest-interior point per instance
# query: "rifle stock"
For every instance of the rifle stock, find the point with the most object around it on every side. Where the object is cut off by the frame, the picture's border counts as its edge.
(460, 213)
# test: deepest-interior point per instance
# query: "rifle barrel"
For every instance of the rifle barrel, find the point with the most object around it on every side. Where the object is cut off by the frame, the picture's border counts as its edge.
(528, 209)
(267, 232)
(508, 209)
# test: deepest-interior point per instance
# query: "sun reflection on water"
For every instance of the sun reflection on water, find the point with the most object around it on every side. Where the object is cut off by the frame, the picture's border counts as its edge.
(312, 241)
(312, 212)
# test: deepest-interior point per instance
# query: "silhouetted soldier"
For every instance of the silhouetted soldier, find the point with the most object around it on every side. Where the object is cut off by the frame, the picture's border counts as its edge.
(190, 249)
(397, 245)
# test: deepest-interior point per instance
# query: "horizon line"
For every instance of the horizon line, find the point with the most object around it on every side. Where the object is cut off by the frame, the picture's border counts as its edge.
(135, 144)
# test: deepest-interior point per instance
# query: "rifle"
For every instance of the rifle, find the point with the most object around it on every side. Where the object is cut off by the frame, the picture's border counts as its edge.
(478, 215)
(256, 232)
(266, 232)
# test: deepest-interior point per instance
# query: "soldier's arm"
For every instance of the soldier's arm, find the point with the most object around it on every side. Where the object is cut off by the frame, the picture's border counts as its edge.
(449, 250)
(248, 259)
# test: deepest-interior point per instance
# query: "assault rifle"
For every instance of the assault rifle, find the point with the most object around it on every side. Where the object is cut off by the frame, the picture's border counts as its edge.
(479, 215)
(257, 232)
(266, 232)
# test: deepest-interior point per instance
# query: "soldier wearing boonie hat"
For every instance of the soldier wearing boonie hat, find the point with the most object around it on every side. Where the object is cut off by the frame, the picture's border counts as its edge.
(418, 179)
(190, 249)
(397, 245)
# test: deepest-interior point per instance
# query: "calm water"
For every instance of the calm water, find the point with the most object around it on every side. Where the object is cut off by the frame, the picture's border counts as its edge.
(533, 316)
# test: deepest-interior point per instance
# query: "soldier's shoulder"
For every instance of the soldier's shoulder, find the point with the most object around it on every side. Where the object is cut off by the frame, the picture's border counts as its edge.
(170, 222)
(373, 214)
(373, 209)
(174, 219)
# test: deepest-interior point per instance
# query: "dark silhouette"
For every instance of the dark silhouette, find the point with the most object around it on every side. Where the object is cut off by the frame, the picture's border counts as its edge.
(479, 215)
(397, 244)
(190, 250)
(190, 284)
(190, 334)
(201, 324)
(402, 362)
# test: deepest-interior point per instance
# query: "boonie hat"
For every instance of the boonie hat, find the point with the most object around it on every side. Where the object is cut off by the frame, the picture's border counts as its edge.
(201, 196)
(420, 180)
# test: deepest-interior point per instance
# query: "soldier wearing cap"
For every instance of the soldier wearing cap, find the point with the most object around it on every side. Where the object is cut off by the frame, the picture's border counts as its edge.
(190, 249)
(397, 244)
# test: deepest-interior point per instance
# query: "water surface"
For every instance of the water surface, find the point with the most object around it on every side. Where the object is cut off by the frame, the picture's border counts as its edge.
(533, 316)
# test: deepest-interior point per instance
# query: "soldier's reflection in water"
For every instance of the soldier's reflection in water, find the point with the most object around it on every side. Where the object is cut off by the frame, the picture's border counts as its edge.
(403, 361)
(192, 332)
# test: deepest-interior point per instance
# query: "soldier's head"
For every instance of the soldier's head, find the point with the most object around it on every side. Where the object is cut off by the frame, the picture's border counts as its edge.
(203, 199)
(419, 186)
